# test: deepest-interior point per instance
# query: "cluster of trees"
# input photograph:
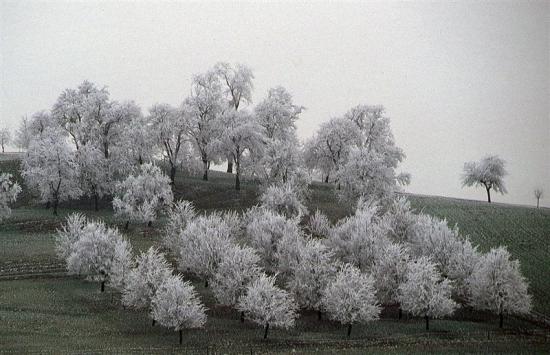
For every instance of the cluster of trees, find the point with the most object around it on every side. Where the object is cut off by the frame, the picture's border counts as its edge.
(274, 260)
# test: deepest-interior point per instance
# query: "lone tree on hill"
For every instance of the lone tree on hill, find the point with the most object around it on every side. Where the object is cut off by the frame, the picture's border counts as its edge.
(538, 195)
(488, 172)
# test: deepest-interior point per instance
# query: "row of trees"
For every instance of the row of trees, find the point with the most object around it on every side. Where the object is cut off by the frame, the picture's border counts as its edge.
(273, 260)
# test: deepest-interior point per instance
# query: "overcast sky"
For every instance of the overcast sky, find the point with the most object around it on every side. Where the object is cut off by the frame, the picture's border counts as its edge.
(459, 80)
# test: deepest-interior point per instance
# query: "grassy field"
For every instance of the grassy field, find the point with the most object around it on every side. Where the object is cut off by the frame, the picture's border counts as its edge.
(43, 310)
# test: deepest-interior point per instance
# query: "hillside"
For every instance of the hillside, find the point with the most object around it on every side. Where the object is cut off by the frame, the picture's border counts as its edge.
(38, 301)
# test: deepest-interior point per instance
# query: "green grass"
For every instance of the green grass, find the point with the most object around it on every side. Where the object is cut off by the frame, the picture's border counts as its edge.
(44, 310)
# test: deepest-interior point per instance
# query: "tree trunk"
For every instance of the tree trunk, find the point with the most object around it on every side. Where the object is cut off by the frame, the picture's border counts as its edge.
(181, 336)
(48, 205)
(206, 283)
(427, 322)
(488, 194)
(230, 167)
(150, 224)
(205, 174)
(501, 323)
(172, 174)
(319, 315)
(96, 208)
(266, 330)
(140, 160)
(2, 148)
(126, 225)
(400, 314)
(242, 317)
(55, 204)
(538, 202)
(349, 330)
(102, 286)
(238, 177)
(153, 323)
(326, 179)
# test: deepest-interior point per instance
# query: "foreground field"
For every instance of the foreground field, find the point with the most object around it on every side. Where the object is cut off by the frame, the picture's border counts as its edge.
(44, 310)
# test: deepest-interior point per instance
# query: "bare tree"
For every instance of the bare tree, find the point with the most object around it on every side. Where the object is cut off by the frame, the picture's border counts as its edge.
(538, 195)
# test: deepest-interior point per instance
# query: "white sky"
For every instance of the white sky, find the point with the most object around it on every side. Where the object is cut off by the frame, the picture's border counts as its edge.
(459, 79)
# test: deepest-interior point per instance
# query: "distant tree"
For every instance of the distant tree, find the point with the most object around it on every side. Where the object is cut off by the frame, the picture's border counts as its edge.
(498, 286)
(169, 128)
(241, 135)
(538, 195)
(69, 234)
(311, 274)
(424, 292)
(5, 137)
(142, 197)
(176, 305)
(237, 83)
(144, 280)
(95, 253)
(33, 127)
(351, 298)
(488, 172)
(267, 305)
(9, 190)
(238, 267)
(51, 168)
(202, 111)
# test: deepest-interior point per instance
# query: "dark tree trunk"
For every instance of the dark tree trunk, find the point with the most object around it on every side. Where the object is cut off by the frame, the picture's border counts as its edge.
(153, 323)
(206, 283)
(501, 322)
(126, 225)
(230, 167)
(102, 286)
(2, 149)
(488, 194)
(266, 330)
(181, 336)
(242, 317)
(173, 174)
(55, 204)
(319, 315)
(150, 224)
(427, 322)
(238, 176)
(205, 174)
(96, 208)
(140, 160)
(538, 199)
(400, 314)
(48, 205)
(349, 330)
(326, 179)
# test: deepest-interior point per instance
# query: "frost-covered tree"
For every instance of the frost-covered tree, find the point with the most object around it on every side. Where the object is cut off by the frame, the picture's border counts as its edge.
(284, 200)
(69, 234)
(425, 293)
(138, 143)
(498, 286)
(350, 298)
(399, 221)
(267, 305)
(328, 150)
(50, 167)
(489, 172)
(358, 239)
(179, 216)
(319, 225)
(238, 267)
(169, 128)
(5, 138)
(33, 127)
(143, 196)
(123, 263)
(538, 195)
(201, 246)
(202, 111)
(95, 253)
(454, 256)
(144, 280)
(236, 81)
(96, 174)
(176, 305)
(389, 271)
(9, 190)
(311, 274)
(264, 230)
(241, 135)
